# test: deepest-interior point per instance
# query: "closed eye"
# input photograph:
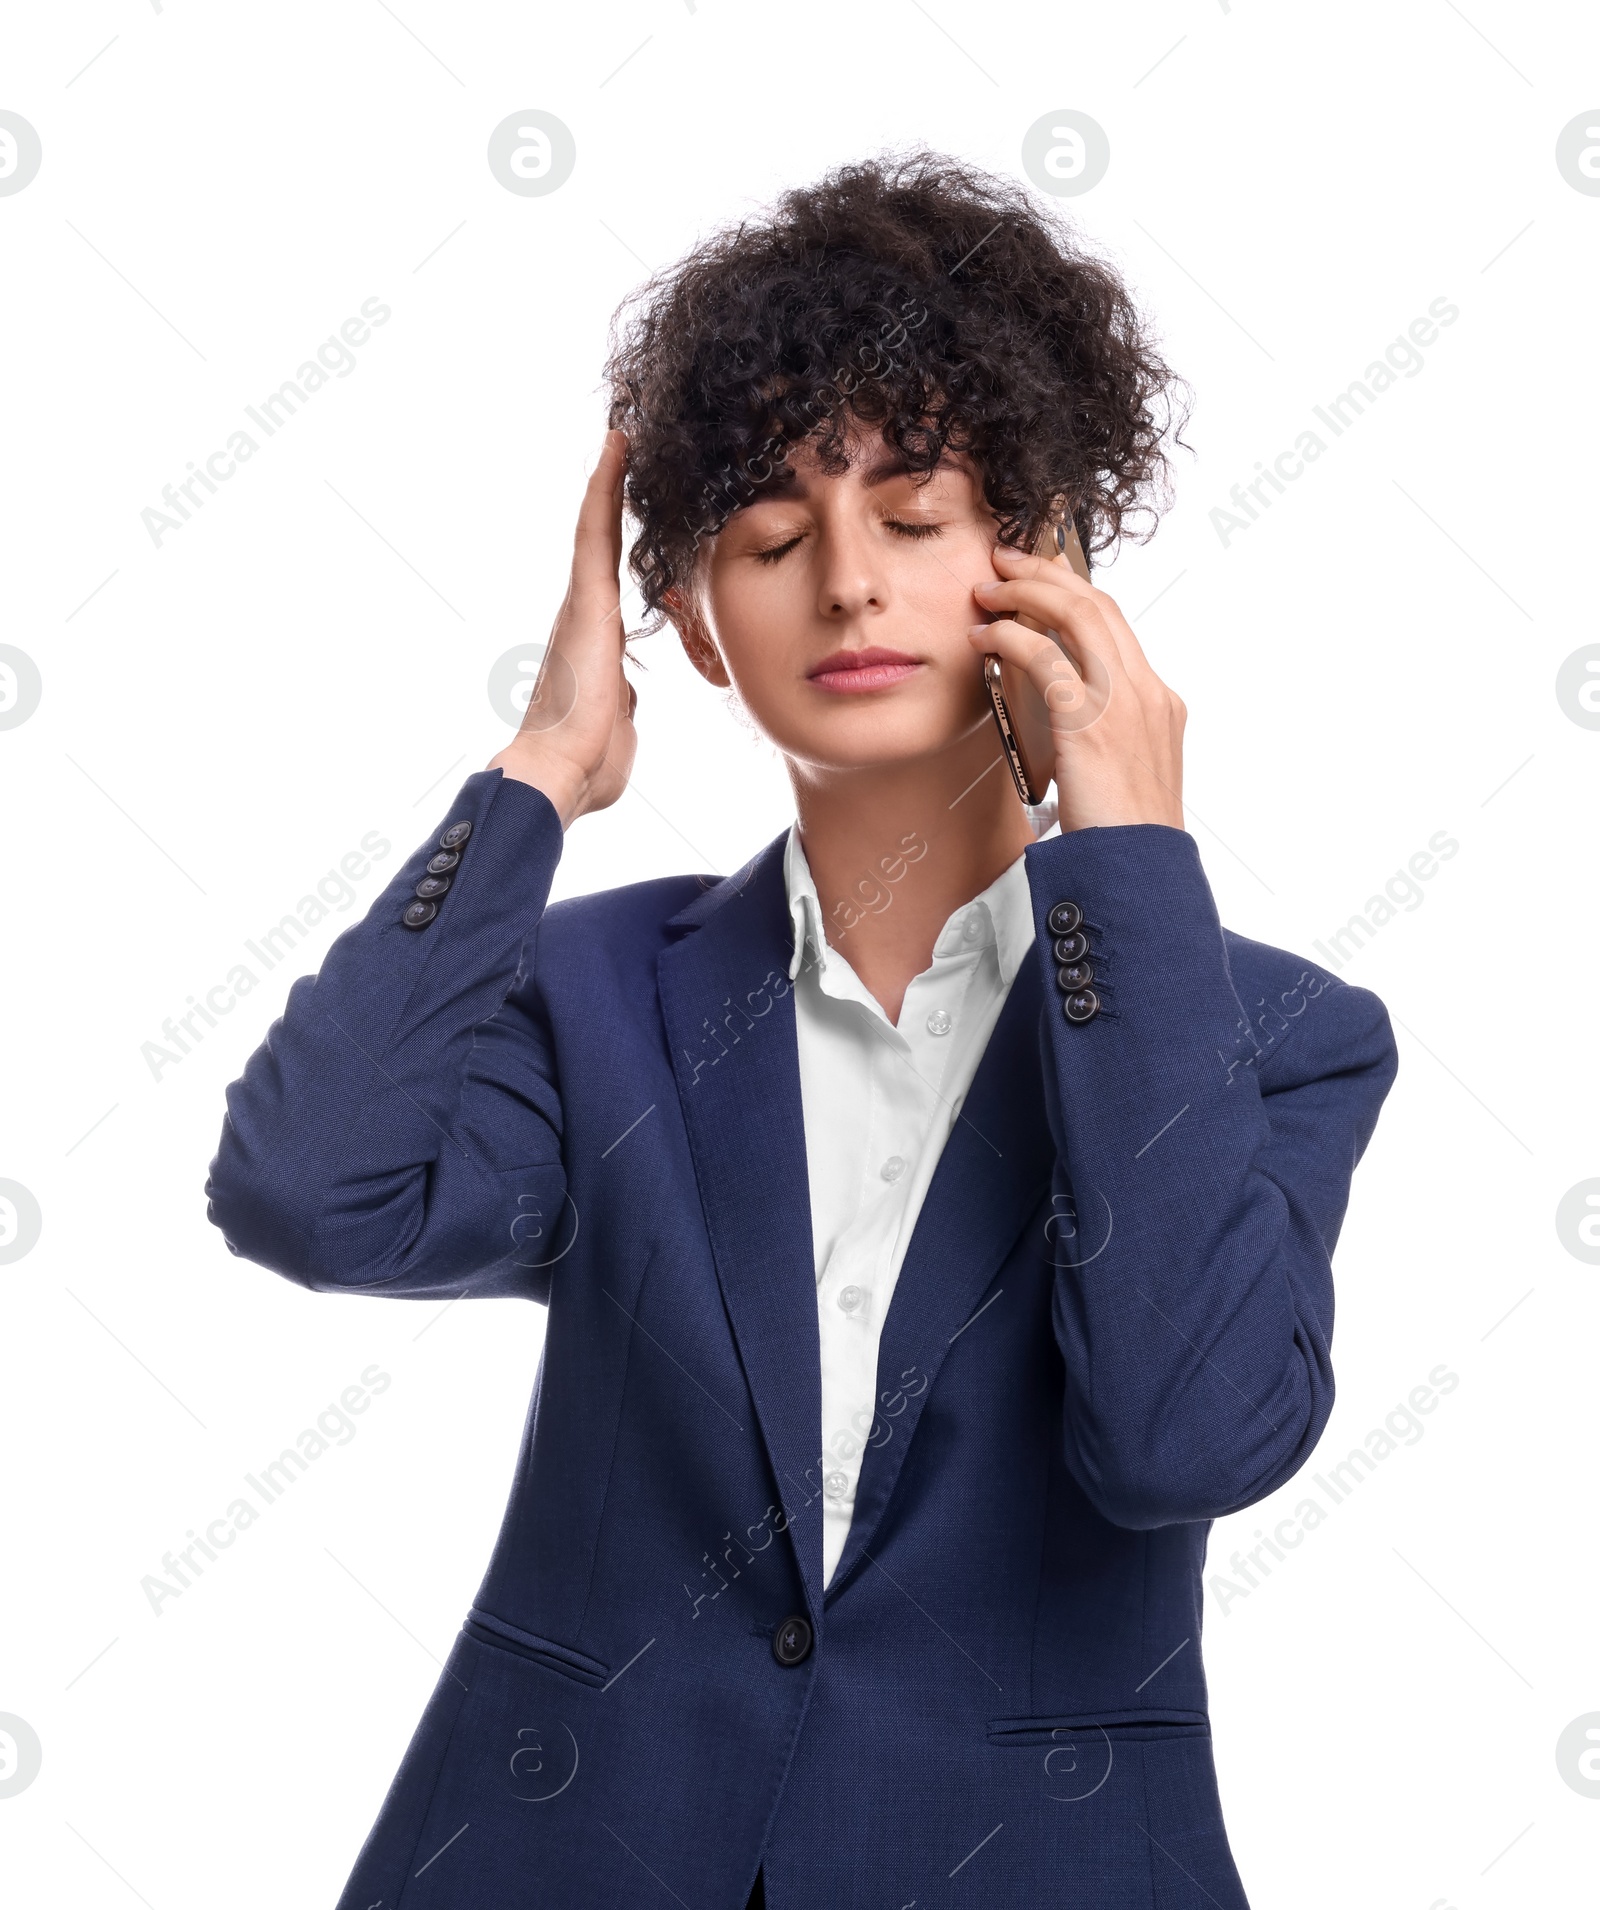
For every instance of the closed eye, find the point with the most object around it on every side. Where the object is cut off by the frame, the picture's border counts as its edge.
(775, 553)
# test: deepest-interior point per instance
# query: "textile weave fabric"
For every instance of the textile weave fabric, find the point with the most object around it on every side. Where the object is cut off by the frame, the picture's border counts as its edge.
(1111, 1325)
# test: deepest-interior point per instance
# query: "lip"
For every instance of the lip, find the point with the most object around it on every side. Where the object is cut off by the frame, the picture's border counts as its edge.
(853, 672)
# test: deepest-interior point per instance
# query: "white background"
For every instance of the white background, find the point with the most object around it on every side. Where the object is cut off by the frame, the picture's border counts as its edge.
(224, 717)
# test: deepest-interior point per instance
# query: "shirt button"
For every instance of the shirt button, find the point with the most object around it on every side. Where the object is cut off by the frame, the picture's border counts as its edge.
(851, 1297)
(972, 928)
(892, 1168)
(940, 1022)
(836, 1485)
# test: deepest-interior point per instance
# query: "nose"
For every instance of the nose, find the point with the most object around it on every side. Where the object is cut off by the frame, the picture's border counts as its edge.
(851, 582)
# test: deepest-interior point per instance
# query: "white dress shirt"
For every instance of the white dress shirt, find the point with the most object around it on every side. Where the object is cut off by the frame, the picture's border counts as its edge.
(879, 1100)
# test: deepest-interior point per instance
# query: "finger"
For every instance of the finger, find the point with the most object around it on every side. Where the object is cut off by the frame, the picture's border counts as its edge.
(1041, 656)
(597, 545)
(1074, 699)
(1018, 566)
(1012, 562)
(1072, 614)
(600, 511)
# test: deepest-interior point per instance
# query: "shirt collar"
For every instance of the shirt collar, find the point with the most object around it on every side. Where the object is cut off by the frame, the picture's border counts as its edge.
(1007, 906)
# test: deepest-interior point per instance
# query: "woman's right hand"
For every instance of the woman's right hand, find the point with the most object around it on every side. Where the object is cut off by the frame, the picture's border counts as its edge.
(577, 740)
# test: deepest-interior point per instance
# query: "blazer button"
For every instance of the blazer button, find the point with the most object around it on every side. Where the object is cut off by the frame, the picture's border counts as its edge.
(1082, 1006)
(420, 914)
(1073, 947)
(431, 886)
(1074, 975)
(1064, 918)
(791, 1643)
(443, 862)
(455, 835)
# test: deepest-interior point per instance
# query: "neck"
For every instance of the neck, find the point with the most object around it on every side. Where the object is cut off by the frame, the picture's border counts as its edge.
(895, 849)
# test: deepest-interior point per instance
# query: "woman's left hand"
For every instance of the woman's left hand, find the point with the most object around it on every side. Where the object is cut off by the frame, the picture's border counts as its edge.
(1118, 729)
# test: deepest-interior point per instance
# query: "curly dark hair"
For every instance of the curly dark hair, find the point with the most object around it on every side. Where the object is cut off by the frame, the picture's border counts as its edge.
(913, 293)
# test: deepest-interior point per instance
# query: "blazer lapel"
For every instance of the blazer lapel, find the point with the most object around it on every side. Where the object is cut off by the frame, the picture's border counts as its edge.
(993, 1172)
(729, 1013)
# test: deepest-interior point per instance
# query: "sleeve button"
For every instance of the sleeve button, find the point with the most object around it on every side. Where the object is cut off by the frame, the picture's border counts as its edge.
(420, 914)
(1080, 1006)
(1064, 918)
(1072, 976)
(443, 862)
(431, 886)
(455, 835)
(1073, 947)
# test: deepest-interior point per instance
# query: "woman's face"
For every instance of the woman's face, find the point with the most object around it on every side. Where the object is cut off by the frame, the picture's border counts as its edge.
(839, 607)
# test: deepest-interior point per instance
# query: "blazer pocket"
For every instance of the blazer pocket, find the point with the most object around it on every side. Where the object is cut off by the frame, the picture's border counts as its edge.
(1120, 1727)
(485, 1629)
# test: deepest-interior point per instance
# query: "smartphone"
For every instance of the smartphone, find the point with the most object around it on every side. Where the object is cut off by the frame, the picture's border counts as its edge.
(1019, 711)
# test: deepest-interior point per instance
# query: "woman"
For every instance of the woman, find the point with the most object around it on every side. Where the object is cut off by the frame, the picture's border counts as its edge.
(934, 1221)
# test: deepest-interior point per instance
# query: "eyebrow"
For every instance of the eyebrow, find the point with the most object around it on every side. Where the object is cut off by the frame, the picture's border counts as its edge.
(787, 482)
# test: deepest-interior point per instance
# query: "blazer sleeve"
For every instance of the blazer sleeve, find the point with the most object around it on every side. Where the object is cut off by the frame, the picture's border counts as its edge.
(399, 1130)
(1204, 1153)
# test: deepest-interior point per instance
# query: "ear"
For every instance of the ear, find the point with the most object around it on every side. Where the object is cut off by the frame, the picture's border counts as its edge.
(695, 638)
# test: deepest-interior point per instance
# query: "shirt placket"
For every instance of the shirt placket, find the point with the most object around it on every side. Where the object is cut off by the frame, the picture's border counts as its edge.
(934, 1022)
(907, 1115)
(853, 1294)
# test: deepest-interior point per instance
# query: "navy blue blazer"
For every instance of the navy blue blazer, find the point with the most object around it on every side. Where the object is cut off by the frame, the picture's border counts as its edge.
(1111, 1326)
